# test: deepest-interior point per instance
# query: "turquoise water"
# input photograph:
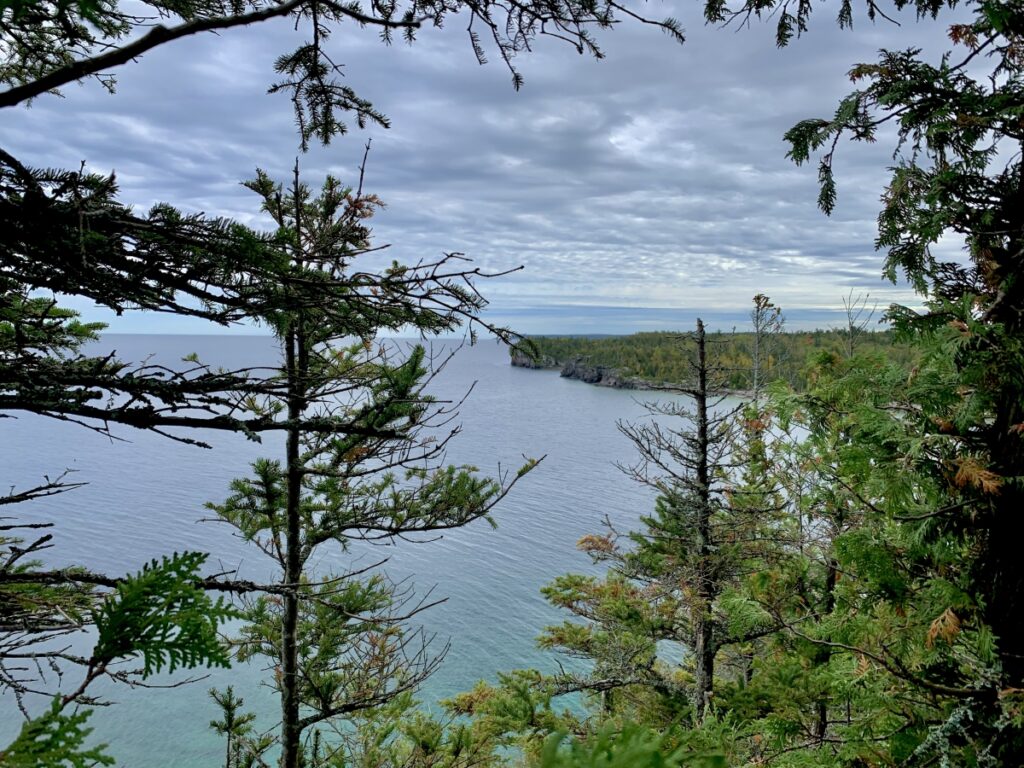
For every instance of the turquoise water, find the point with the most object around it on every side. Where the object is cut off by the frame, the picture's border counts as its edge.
(145, 497)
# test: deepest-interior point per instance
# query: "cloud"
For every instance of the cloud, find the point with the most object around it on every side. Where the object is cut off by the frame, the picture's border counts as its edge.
(653, 180)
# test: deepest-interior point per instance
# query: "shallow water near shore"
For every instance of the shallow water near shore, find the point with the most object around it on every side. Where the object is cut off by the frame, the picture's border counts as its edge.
(145, 497)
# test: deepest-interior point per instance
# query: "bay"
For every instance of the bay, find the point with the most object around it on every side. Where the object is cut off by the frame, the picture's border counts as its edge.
(145, 497)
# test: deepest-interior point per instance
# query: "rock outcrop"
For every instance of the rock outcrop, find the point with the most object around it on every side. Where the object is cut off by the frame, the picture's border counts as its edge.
(605, 376)
(581, 370)
(600, 375)
(523, 360)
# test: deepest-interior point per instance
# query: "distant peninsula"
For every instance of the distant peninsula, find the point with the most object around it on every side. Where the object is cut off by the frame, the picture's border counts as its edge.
(661, 359)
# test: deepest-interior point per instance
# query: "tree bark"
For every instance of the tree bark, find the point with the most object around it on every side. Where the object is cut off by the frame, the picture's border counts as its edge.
(290, 728)
(825, 652)
(704, 648)
(1001, 565)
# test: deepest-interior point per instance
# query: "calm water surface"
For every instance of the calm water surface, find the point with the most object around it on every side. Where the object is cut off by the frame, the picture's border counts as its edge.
(145, 497)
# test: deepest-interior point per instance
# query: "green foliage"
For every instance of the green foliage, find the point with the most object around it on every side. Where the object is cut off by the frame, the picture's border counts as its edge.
(865, 630)
(55, 740)
(659, 358)
(235, 722)
(36, 323)
(162, 615)
(358, 466)
(874, 617)
(243, 748)
(672, 615)
(632, 747)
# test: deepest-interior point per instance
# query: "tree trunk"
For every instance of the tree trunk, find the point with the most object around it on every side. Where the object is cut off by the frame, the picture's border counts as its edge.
(290, 731)
(704, 653)
(704, 649)
(999, 566)
(1002, 567)
(824, 654)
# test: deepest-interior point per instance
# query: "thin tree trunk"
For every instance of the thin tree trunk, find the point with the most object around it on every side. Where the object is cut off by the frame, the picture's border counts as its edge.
(756, 361)
(289, 625)
(704, 650)
(825, 653)
(297, 364)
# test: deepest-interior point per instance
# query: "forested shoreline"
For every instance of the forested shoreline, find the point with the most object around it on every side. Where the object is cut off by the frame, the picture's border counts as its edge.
(829, 576)
(658, 359)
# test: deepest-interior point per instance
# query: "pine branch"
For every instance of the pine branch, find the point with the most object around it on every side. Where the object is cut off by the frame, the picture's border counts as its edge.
(160, 35)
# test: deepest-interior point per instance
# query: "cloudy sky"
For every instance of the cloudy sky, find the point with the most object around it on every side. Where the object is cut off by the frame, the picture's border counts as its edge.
(636, 192)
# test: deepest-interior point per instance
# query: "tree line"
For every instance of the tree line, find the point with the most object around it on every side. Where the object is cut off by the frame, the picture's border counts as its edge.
(658, 358)
(830, 575)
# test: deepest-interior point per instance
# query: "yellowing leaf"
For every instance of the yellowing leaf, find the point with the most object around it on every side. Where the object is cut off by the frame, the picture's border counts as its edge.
(594, 543)
(863, 665)
(970, 472)
(944, 628)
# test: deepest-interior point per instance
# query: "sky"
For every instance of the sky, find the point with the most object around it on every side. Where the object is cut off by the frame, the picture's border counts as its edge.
(636, 192)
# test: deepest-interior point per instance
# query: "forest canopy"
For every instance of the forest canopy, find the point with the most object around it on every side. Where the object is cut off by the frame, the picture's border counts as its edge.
(839, 561)
(658, 358)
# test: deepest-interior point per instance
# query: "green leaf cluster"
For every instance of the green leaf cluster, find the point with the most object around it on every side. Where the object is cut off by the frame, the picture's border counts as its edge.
(161, 615)
(55, 740)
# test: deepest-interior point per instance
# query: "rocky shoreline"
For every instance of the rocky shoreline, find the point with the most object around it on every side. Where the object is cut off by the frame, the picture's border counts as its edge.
(600, 375)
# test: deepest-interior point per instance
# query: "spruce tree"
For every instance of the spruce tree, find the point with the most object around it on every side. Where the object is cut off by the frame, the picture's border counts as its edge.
(370, 468)
(678, 579)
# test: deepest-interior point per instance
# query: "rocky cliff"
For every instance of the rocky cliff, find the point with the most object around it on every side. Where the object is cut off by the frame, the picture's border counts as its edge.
(600, 375)
(605, 376)
(580, 369)
(523, 360)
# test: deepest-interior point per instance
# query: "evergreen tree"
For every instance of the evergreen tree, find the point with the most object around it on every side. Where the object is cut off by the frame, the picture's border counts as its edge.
(678, 581)
(68, 233)
(766, 321)
(957, 174)
(879, 655)
(241, 749)
(372, 467)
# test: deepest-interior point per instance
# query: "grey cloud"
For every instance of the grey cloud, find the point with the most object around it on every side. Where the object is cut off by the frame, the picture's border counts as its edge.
(653, 178)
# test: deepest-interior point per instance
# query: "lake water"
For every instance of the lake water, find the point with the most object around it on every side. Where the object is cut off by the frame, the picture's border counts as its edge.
(145, 494)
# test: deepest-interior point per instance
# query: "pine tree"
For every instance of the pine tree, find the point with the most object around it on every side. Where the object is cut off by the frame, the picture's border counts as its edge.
(678, 580)
(236, 727)
(362, 461)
